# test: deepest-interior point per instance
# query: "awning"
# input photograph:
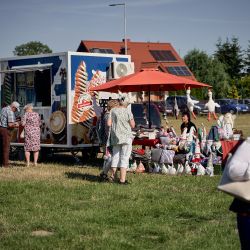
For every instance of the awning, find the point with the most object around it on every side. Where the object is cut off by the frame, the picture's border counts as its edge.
(26, 68)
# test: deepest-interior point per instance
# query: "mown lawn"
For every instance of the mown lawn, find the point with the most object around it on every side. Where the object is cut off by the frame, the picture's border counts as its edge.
(242, 122)
(58, 206)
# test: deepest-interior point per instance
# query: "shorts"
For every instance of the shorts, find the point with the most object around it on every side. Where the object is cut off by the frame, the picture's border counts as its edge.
(120, 155)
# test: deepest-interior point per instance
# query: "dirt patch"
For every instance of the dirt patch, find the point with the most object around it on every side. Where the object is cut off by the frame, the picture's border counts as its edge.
(41, 233)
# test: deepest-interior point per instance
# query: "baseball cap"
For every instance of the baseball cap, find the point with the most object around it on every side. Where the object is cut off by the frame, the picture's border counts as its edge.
(16, 105)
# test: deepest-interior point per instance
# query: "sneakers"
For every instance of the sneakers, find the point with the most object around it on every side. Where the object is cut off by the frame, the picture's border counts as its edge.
(103, 177)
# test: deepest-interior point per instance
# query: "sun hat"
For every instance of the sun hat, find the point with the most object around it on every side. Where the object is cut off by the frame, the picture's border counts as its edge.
(16, 105)
(57, 122)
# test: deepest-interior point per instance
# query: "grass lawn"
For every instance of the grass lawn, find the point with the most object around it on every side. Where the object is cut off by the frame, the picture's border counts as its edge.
(58, 206)
(62, 206)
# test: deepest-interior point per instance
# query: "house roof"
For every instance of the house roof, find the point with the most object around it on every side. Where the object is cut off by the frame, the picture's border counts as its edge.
(144, 54)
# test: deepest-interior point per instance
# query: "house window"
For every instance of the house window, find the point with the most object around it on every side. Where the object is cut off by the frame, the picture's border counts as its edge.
(179, 70)
(103, 51)
(163, 55)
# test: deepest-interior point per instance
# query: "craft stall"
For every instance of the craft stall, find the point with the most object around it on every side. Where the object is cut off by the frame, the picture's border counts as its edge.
(196, 152)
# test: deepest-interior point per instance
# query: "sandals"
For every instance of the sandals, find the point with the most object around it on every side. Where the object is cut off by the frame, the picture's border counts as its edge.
(123, 183)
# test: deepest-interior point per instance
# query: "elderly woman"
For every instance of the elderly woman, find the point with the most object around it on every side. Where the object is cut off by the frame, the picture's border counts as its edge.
(121, 122)
(31, 122)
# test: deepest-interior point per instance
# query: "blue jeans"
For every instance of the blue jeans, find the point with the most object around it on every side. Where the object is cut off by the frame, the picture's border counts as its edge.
(243, 223)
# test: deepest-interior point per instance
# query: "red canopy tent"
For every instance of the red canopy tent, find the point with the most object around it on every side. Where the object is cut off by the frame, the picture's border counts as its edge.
(148, 80)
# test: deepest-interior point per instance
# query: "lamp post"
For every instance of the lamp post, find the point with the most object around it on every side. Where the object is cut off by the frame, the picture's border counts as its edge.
(125, 24)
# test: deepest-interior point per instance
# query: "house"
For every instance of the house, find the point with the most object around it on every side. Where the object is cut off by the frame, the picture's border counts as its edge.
(158, 55)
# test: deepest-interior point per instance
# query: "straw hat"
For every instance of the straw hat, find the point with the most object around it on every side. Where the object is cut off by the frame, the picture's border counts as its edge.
(57, 122)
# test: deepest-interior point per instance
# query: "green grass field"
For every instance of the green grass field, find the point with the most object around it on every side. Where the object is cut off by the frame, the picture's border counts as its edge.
(63, 206)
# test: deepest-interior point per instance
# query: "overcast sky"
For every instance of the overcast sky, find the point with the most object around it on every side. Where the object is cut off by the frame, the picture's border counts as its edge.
(62, 24)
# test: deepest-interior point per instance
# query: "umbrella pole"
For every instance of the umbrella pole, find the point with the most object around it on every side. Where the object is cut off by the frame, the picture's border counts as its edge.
(149, 111)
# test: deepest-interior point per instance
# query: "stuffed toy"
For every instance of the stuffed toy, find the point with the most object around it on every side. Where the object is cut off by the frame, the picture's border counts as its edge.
(210, 166)
(187, 168)
(200, 169)
(226, 123)
(140, 168)
(197, 152)
(191, 103)
(183, 139)
(211, 105)
(176, 108)
(171, 170)
(180, 169)
(164, 169)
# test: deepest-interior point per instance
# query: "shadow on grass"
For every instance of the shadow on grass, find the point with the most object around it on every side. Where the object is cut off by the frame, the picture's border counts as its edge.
(81, 176)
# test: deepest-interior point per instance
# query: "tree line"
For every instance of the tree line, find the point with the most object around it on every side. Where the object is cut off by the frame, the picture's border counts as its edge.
(227, 70)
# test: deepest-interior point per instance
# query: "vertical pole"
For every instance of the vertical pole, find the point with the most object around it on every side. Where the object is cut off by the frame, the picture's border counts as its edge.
(149, 111)
(125, 30)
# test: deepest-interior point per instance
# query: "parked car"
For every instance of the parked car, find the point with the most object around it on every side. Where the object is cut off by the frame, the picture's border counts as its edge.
(245, 101)
(199, 108)
(141, 115)
(231, 106)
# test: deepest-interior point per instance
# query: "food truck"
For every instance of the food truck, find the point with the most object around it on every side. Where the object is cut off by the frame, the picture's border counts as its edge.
(58, 85)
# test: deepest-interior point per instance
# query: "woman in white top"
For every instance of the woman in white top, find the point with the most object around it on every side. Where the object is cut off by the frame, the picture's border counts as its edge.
(121, 122)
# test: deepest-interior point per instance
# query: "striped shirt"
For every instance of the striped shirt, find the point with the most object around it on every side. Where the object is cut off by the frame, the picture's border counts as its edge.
(6, 116)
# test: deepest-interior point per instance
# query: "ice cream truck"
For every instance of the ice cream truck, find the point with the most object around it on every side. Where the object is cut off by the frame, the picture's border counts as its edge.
(58, 85)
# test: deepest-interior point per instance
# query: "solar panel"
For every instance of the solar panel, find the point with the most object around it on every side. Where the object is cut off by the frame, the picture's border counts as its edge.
(179, 70)
(101, 50)
(163, 55)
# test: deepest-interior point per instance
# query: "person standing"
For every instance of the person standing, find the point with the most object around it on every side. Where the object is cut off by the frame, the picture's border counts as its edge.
(7, 123)
(104, 137)
(239, 170)
(120, 121)
(186, 122)
(31, 122)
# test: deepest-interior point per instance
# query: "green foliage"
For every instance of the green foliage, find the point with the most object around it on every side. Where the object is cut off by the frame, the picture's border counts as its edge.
(31, 48)
(233, 92)
(208, 70)
(243, 86)
(247, 60)
(230, 54)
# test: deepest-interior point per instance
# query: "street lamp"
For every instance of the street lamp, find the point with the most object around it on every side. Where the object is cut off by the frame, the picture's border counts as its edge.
(125, 36)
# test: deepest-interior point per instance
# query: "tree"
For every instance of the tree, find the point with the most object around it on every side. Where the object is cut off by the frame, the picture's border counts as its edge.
(233, 92)
(243, 86)
(247, 60)
(31, 48)
(230, 54)
(208, 70)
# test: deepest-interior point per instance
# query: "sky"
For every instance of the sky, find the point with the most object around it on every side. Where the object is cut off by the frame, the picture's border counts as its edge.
(62, 24)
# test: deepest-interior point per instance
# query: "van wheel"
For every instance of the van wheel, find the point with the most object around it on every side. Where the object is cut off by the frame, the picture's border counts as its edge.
(232, 111)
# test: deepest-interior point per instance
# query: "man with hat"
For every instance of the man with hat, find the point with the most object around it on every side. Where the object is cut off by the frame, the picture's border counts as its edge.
(7, 122)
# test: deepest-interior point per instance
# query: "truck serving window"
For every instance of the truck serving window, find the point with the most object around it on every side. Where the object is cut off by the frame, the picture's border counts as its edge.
(34, 87)
(28, 84)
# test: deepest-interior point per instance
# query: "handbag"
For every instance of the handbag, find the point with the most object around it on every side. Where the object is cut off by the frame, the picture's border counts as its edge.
(239, 188)
(160, 155)
(156, 154)
(167, 156)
